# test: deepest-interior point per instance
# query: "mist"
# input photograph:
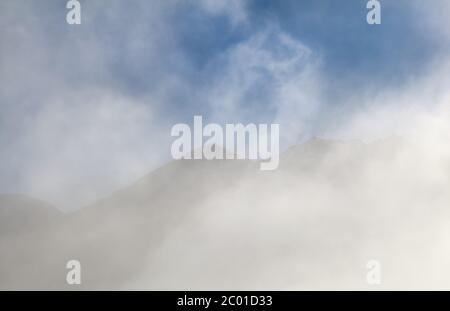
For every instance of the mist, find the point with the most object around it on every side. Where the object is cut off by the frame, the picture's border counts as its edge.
(86, 171)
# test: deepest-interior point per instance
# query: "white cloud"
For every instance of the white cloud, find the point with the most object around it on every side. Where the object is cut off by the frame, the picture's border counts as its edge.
(281, 74)
(66, 123)
(234, 9)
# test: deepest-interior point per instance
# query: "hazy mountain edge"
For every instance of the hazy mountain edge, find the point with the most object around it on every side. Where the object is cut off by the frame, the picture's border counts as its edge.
(167, 173)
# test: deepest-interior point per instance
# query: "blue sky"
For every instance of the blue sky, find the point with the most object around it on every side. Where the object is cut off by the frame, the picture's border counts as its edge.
(96, 102)
(352, 52)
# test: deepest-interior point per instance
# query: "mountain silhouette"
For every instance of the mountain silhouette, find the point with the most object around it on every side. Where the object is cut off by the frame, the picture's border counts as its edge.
(223, 224)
